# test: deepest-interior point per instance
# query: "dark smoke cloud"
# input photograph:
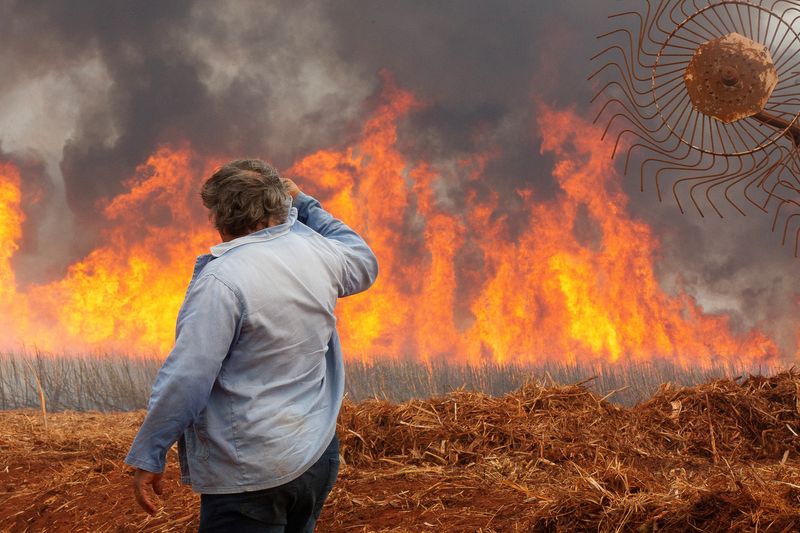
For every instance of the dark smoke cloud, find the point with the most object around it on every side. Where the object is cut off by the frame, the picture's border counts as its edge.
(157, 88)
(282, 79)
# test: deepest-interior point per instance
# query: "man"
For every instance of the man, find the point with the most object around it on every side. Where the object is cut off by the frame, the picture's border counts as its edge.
(253, 386)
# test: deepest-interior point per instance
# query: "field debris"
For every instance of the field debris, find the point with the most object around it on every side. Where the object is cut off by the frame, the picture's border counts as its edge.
(722, 456)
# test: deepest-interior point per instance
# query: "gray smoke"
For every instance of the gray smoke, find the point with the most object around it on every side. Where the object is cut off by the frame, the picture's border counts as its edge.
(92, 88)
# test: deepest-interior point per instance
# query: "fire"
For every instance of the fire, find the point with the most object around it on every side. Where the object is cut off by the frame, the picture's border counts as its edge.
(555, 296)
(10, 225)
(577, 284)
(124, 295)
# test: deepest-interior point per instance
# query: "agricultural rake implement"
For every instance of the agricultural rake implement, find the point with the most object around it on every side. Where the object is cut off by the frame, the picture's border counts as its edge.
(704, 98)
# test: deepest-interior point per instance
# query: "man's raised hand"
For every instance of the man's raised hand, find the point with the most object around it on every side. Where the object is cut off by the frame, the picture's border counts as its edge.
(291, 187)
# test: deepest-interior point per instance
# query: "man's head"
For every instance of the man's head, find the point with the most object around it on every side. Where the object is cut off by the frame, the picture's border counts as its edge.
(244, 196)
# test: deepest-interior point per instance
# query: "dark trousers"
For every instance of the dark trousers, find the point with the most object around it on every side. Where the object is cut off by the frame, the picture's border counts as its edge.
(293, 507)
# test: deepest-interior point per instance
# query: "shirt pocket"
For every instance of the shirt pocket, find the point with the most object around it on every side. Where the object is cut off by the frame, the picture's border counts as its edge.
(202, 448)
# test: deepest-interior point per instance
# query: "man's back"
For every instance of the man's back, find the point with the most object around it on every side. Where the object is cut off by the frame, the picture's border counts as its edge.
(254, 383)
(271, 397)
(252, 388)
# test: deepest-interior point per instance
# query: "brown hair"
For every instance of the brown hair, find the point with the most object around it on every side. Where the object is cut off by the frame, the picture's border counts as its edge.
(245, 194)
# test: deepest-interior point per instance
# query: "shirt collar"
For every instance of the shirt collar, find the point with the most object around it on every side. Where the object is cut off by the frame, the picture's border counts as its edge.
(266, 234)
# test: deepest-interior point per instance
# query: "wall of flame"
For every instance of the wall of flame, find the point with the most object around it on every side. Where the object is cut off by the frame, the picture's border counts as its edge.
(547, 293)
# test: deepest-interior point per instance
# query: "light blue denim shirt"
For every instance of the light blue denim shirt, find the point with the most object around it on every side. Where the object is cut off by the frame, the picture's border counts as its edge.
(254, 384)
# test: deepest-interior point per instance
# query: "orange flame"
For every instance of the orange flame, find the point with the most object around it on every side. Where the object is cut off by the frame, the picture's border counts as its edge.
(549, 292)
(10, 226)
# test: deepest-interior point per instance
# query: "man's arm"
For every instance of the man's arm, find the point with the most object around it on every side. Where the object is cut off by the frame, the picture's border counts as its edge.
(361, 265)
(207, 326)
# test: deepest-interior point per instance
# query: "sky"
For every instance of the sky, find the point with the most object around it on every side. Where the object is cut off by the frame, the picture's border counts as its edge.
(91, 89)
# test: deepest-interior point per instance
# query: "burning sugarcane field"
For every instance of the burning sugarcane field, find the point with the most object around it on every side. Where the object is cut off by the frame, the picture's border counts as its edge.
(400, 267)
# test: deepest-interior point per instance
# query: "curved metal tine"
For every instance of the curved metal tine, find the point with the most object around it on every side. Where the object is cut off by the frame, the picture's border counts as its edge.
(711, 134)
(759, 178)
(699, 11)
(778, 21)
(652, 147)
(671, 21)
(710, 35)
(675, 22)
(634, 122)
(632, 99)
(626, 76)
(755, 126)
(788, 32)
(646, 35)
(682, 134)
(644, 132)
(729, 145)
(776, 50)
(784, 95)
(716, 12)
(678, 86)
(702, 177)
(786, 75)
(785, 88)
(681, 95)
(791, 119)
(651, 140)
(749, 178)
(785, 68)
(668, 159)
(789, 193)
(674, 165)
(678, 35)
(743, 142)
(769, 13)
(669, 167)
(741, 176)
(704, 13)
(689, 17)
(786, 227)
(756, 180)
(784, 189)
(705, 179)
(781, 67)
(758, 21)
(621, 104)
(779, 197)
(788, 102)
(760, 182)
(639, 48)
(728, 8)
(755, 163)
(635, 53)
(728, 176)
(614, 100)
(607, 49)
(739, 16)
(656, 22)
(681, 69)
(709, 182)
(666, 119)
(674, 160)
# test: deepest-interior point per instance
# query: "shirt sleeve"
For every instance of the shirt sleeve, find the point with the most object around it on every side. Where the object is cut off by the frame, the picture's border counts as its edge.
(361, 265)
(208, 324)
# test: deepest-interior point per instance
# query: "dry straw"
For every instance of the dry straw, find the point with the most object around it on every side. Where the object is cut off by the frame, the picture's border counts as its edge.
(722, 456)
